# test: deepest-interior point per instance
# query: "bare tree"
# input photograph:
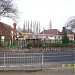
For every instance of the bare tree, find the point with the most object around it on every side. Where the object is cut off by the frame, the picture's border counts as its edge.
(50, 25)
(8, 8)
(19, 29)
(39, 27)
(70, 24)
(31, 27)
(24, 27)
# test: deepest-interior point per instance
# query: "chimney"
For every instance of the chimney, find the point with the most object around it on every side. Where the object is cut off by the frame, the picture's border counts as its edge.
(14, 30)
(64, 30)
(14, 27)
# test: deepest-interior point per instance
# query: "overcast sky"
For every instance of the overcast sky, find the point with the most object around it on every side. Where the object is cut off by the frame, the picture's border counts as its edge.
(58, 11)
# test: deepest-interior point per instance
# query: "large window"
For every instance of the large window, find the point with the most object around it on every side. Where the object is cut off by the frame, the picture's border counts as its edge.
(0, 32)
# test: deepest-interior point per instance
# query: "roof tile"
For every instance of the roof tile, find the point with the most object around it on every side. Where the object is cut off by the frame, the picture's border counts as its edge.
(50, 31)
(8, 27)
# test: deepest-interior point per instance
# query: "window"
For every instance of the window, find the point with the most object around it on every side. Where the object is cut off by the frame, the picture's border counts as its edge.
(0, 32)
(34, 36)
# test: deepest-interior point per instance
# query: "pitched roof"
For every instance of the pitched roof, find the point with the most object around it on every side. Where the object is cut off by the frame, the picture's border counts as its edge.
(50, 31)
(69, 31)
(8, 27)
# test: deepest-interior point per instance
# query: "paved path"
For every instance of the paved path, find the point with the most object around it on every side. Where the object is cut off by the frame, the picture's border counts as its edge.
(43, 72)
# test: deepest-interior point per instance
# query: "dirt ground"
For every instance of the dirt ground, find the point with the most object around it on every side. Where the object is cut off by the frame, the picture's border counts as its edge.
(41, 72)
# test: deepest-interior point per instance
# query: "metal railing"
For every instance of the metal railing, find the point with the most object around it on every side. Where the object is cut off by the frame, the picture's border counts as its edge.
(33, 61)
(20, 61)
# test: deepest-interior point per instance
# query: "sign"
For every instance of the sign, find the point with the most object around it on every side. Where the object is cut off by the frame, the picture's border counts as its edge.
(2, 38)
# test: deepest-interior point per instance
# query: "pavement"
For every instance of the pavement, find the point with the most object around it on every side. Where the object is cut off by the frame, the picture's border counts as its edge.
(56, 71)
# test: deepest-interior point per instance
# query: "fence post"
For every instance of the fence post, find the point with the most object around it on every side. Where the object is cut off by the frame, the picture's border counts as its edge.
(42, 59)
(4, 61)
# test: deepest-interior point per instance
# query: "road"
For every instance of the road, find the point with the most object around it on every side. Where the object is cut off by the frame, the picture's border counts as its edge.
(59, 56)
(57, 59)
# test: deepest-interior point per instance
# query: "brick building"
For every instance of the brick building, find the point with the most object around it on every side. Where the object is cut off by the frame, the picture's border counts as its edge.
(51, 35)
(5, 31)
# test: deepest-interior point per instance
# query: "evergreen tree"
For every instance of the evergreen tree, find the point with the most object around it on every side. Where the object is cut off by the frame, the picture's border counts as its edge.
(65, 39)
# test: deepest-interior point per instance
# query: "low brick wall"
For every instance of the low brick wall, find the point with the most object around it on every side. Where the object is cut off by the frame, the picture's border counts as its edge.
(40, 49)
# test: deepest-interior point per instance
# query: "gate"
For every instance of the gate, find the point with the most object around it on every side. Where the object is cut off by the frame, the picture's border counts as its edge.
(20, 61)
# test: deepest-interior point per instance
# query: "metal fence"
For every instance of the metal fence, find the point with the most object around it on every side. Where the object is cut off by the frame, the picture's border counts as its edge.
(26, 43)
(22, 44)
(33, 61)
(20, 61)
